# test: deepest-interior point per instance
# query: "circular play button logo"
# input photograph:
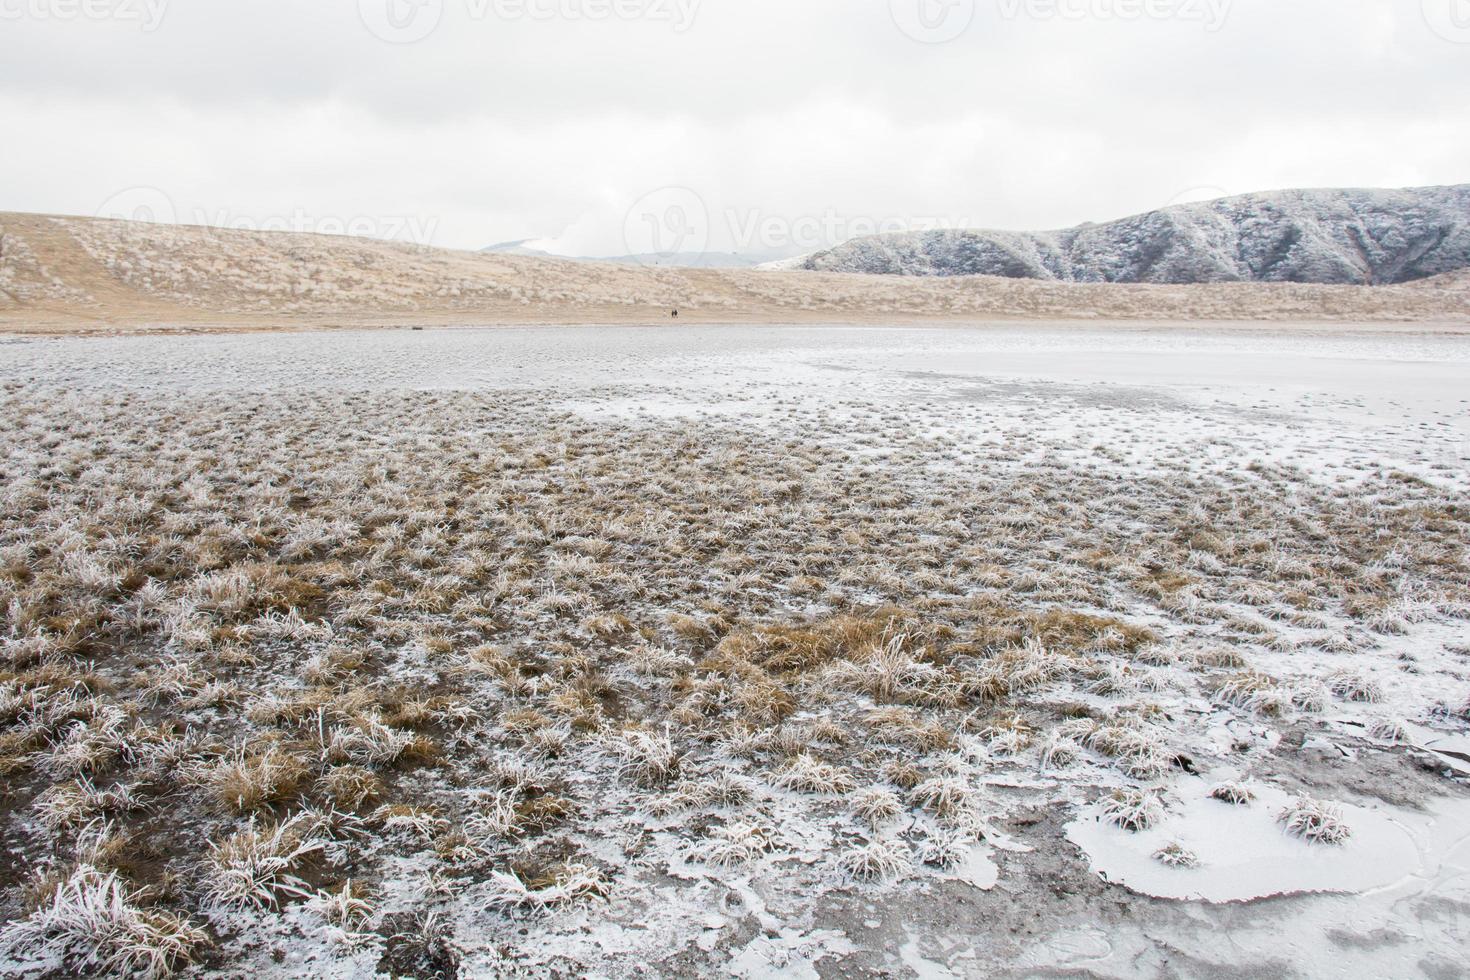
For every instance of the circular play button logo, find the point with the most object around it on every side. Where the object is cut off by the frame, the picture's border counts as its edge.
(401, 21)
(932, 21)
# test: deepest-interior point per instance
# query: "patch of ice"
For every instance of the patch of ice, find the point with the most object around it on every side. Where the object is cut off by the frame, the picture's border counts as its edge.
(1451, 748)
(1245, 854)
(790, 955)
(921, 967)
(1070, 949)
(978, 869)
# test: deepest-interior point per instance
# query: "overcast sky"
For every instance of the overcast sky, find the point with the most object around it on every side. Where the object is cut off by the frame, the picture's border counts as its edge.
(606, 126)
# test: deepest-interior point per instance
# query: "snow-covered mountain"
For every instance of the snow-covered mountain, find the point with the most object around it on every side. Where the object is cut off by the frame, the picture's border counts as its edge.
(1366, 237)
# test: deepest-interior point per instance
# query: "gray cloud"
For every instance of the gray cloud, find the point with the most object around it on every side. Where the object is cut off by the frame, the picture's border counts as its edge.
(778, 115)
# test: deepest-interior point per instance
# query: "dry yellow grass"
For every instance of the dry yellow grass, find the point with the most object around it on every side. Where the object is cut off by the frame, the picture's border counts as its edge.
(79, 275)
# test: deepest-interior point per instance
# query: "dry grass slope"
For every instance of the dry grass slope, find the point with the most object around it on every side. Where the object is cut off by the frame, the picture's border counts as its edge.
(61, 274)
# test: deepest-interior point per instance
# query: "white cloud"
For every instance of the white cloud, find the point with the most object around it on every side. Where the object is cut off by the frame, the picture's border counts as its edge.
(783, 117)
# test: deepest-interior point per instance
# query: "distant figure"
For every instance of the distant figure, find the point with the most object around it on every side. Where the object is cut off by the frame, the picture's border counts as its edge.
(675, 314)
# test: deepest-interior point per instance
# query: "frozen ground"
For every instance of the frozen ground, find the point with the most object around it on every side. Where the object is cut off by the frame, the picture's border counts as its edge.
(745, 651)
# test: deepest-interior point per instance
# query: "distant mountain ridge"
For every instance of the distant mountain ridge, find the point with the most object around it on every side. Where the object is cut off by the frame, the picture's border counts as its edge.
(673, 260)
(1358, 237)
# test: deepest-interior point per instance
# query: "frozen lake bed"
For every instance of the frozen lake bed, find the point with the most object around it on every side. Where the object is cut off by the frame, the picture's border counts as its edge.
(755, 651)
(1321, 396)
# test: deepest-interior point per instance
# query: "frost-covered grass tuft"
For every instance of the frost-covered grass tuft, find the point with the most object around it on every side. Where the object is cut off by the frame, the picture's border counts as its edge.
(246, 782)
(1112, 682)
(1315, 821)
(93, 924)
(1147, 763)
(647, 757)
(67, 806)
(556, 888)
(421, 945)
(943, 795)
(1351, 686)
(1388, 730)
(879, 860)
(1223, 658)
(1157, 655)
(945, 849)
(1459, 709)
(1236, 794)
(1008, 739)
(891, 670)
(877, 805)
(1311, 697)
(654, 662)
(1137, 750)
(1132, 809)
(256, 868)
(351, 786)
(421, 822)
(365, 742)
(494, 818)
(807, 774)
(1258, 693)
(736, 843)
(725, 789)
(1176, 855)
(1059, 752)
(346, 908)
